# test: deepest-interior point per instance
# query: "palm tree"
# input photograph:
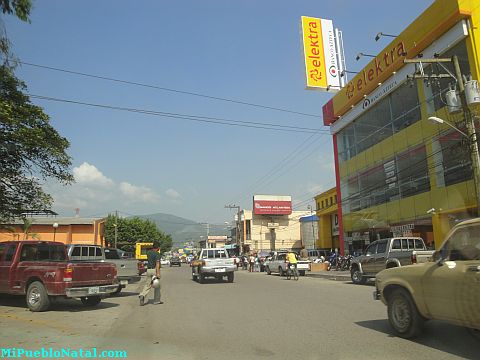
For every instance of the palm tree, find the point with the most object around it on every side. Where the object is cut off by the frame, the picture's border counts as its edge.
(27, 224)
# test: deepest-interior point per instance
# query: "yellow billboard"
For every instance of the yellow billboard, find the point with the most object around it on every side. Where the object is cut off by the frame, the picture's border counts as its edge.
(320, 54)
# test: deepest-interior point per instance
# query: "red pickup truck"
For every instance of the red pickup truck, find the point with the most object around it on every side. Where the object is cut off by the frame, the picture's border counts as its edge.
(41, 271)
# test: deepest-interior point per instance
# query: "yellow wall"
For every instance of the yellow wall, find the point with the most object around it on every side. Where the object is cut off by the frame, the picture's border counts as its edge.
(325, 239)
(68, 234)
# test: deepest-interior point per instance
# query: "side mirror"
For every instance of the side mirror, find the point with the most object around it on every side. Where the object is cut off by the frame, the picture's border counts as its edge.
(437, 258)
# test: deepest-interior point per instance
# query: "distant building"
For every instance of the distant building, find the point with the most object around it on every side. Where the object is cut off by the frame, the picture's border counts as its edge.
(272, 225)
(216, 241)
(309, 231)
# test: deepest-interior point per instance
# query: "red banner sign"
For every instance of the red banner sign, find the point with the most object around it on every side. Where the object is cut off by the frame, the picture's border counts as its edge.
(270, 207)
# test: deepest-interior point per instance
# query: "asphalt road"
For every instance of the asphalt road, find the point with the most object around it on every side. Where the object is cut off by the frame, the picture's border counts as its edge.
(256, 317)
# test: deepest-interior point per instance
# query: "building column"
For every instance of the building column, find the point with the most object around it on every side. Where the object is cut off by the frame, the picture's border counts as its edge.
(325, 231)
(441, 226)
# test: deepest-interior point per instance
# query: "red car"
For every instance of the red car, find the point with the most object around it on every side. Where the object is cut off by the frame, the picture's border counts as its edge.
(40, 271)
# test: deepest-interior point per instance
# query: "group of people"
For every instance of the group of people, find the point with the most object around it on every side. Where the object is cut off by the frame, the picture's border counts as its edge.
(251, 262)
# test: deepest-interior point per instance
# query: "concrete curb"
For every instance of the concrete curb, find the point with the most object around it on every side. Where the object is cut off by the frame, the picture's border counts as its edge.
(331, 275)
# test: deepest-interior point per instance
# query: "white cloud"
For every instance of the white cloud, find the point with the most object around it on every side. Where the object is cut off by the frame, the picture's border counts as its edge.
(141, 193)
(171, 193)
(87, 174)
(95, 193)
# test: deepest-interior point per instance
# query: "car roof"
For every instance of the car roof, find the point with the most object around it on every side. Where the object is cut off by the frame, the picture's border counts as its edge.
(32, 242)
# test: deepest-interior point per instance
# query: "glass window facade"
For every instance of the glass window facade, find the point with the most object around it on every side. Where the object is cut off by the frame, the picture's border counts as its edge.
(407, 172)
(389, 115)
(400, 177)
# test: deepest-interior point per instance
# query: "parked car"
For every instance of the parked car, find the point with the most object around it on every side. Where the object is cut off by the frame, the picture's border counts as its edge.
(277, 263)
(175, 261)
(164, 262)
(315, 254)
(446, 288)
(41, 271)
(127, 269)
(387, 253)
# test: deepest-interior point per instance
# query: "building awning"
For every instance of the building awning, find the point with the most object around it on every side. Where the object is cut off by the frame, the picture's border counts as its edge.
(309, 218)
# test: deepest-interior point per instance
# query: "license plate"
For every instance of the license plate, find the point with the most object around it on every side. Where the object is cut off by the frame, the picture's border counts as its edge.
(220, 270)
(93, 290)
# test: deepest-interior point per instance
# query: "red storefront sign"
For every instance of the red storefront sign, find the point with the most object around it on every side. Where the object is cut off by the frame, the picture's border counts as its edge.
(272, 207)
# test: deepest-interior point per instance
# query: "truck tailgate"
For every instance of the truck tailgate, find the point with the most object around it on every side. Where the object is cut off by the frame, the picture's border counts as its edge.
(92, 273)
(219, 262)
(126, 268)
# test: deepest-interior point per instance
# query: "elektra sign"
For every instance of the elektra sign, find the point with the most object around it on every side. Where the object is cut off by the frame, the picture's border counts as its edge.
(272, 205)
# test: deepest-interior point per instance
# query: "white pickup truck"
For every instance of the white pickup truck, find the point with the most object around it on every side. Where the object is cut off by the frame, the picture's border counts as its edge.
(214, 262)
(127, 269)
(277, 264)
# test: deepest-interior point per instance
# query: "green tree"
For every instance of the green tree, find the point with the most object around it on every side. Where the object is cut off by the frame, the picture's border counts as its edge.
(31, 150)
(133, 230)
(21, 8)
(26, 226)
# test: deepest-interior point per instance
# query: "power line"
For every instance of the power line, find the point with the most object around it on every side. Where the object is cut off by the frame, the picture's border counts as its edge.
(165, 89)
(286, 162)
(204, 119)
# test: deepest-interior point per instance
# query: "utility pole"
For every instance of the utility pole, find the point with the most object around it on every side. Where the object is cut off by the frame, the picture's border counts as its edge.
(467, 114)
(115, 226)
(314, 240)
(237, 226)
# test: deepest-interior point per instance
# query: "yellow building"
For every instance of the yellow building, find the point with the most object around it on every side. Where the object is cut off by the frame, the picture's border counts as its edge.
(397, 173)
(328, 224)
(69, 230)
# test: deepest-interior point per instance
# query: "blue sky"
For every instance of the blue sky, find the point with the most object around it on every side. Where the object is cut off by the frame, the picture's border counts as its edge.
(248, 51)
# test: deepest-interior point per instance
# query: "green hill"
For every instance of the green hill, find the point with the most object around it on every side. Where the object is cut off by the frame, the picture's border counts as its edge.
(182, 229)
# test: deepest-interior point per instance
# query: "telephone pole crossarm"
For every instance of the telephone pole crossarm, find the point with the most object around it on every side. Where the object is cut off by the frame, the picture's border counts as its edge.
(237, 226)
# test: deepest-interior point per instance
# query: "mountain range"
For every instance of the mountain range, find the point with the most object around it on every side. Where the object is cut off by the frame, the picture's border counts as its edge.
(183, 230)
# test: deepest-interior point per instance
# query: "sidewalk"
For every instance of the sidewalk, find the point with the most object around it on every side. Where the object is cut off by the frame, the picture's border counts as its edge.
(331, 275)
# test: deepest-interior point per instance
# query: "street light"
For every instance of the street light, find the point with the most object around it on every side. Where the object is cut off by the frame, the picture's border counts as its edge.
(383, 34)
(437, 120)
(359, 55)
(55, 226)
(115, 228)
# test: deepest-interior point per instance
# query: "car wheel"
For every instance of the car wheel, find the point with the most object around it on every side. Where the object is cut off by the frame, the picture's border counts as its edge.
(37, 297)
(301, 272)
(403, 314)
(230, 277)
(267, 269)
(357, 277)
(91, 300)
